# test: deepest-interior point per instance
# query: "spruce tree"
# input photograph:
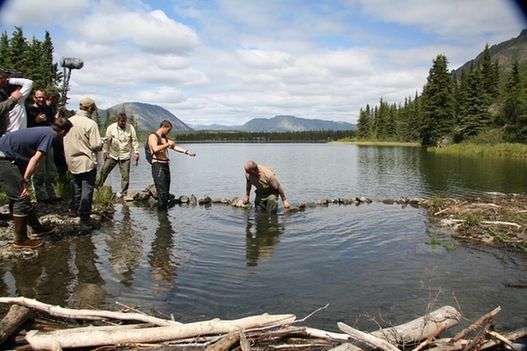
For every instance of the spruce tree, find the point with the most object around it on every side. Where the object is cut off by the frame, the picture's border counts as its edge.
(490, 76)
(438, 104)
(513, 110)
(364, 124)
(474, 112)
(4, 49)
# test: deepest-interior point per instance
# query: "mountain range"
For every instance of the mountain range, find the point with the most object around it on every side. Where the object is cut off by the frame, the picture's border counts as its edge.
(148, 116)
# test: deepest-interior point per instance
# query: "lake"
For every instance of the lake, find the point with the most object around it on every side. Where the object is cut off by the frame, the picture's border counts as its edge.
(372, 261)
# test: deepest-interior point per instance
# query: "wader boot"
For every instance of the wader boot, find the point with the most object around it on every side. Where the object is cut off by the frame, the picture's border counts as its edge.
(38, 229)
(21, 239)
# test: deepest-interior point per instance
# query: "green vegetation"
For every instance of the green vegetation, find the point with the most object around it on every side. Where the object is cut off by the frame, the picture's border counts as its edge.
(437, 200)
(103, 197)
(456, 107)
(471, 218)
(376, 142)
(32, 59)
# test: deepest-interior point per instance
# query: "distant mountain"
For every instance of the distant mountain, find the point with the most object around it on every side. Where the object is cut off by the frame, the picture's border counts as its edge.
(282, 124)
(293, 124)
(148, 116)
(214, 127)
(505, 52)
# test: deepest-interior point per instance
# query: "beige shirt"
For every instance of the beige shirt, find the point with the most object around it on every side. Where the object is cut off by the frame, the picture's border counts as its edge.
(82, 143)
(121, 141)
(267, 182)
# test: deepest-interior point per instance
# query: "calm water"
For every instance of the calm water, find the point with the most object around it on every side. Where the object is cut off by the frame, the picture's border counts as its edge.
(217, 261)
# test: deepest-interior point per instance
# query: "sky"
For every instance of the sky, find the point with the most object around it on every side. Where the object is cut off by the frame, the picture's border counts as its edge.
(229, 61)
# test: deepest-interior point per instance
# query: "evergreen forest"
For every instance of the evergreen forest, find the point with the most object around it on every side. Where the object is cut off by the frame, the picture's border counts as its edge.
(454, 107)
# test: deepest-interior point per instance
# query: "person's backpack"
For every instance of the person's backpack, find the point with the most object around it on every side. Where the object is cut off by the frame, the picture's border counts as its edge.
(148, 152)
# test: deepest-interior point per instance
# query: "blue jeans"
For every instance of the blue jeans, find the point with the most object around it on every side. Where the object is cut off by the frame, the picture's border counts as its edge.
(161, 176)
(82, 186)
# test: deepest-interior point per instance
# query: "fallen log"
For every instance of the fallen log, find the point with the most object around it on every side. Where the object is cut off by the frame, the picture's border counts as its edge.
(90, 337)
(420, 328)
(476, 324)
(16, 316)
(366, 338)
(225, 343)
(62, 312)
(513, 335)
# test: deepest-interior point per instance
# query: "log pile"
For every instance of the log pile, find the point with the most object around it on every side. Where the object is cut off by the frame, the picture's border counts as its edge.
(108, 330)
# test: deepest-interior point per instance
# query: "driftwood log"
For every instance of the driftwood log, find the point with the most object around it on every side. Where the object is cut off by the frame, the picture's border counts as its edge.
(95, 336)
(420, 328)
(16, 316)
(62, 312)
(258, 332)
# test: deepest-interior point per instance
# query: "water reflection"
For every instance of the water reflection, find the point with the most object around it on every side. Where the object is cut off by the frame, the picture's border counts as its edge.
(66, 274)
(89, 291)
(160, 253)
(262, 234)
(124, 247)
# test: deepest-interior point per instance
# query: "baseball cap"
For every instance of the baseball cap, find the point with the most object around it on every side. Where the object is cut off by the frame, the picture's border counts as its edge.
(87, 102)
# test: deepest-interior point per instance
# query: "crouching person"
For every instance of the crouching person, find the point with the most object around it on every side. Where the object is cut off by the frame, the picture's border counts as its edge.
(20, 154)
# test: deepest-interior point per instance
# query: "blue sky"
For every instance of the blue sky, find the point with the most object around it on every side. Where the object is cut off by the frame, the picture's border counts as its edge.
(229, 61)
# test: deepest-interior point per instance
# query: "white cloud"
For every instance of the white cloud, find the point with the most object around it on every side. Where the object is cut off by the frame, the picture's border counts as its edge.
(18, 12)
(152, 31)
(228, 61)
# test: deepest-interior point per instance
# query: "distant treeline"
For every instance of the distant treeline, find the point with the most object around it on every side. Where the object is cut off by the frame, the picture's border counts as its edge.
(215, 136)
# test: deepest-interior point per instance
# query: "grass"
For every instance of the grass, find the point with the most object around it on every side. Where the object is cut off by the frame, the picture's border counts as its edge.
(508, 150)
(488, 143)
(102, 197)
(448, 245)
(437, 200)
(374, 142)
(471, 218)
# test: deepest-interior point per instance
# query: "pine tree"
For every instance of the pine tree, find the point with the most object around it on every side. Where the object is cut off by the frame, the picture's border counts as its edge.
(364, 124)
(18, 48)
(438, 104)
(490, 76)
(513, 111)
(473, 114)
(4, 49)
(46, 66)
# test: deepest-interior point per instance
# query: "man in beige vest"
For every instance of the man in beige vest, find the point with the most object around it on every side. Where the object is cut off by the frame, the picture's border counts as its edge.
(267, 188)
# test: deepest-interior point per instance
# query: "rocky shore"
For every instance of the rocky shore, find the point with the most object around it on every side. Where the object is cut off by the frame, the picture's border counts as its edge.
(498, 219)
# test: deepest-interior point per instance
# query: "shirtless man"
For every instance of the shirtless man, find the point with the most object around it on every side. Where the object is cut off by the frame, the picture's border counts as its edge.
(160, 167)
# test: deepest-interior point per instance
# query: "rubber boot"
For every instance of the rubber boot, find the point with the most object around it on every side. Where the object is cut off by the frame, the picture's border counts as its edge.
(38, 228)
(21, 239)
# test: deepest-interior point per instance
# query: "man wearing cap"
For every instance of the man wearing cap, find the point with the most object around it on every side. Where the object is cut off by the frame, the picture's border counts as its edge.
(80, 149)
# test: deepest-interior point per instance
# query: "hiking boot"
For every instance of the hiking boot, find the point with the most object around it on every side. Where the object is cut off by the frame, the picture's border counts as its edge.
(27, 244)
(43, 230)
(72, 213)
(37, 227)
